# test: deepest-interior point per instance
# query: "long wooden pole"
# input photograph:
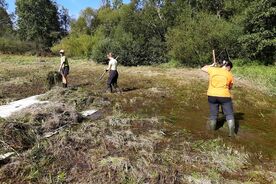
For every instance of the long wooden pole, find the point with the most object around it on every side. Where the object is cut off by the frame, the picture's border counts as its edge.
(214, 57)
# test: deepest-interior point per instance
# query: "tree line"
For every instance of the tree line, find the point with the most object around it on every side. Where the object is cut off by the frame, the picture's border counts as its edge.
(146, 32)
(38, 25)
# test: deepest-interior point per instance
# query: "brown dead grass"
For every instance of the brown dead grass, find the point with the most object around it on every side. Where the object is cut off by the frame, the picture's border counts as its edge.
(123, 146)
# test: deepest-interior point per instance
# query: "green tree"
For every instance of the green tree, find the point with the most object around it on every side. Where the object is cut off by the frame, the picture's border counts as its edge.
(38, 21)
(5, 22)
(221, 8)
(86, 22)
(192, 40)
(259, 41)
(78, 26)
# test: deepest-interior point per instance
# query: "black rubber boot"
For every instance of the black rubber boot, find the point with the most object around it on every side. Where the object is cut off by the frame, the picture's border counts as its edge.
(213, 124)
(231, 125)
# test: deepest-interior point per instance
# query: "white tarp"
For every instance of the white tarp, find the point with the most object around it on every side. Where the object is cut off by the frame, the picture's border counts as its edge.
(88, 112)
(7, 110)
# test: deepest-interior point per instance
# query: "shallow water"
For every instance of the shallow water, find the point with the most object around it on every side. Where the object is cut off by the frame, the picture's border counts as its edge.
(186, 107)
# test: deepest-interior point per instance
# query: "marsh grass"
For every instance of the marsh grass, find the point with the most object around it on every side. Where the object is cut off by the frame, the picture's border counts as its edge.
(132, 143)
(259, 75)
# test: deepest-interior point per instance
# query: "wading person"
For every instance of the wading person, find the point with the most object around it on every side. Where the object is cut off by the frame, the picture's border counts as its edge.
(113, 73)
(220, 84)
(64, 68)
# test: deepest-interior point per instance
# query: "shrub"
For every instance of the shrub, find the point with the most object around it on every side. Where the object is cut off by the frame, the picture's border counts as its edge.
(14, 46)
(75, 45)
(193, 39)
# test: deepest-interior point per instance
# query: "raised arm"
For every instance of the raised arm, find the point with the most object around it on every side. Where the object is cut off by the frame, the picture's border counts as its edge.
(205, 68)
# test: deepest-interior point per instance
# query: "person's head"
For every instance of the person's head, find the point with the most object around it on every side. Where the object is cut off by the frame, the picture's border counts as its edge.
(110, 55)
(227, 65)
(61, 52)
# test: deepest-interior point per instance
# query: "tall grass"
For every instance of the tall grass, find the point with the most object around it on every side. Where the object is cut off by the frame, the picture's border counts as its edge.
(261, 75)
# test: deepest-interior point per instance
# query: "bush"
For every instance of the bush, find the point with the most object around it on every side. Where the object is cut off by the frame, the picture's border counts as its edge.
(124, 32)
(246, 62)
(259, 41)
(75, 45)
(193, 39)
(14, 46)
(131, 51)
(172, 64)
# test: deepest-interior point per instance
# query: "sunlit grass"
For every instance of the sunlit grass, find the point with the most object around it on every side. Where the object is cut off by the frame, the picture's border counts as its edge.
(264, 76)
(134, 140)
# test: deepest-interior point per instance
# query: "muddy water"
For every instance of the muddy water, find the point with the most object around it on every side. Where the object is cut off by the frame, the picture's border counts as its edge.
(185, 105)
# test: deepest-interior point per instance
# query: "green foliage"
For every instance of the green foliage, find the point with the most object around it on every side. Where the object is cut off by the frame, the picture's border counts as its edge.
(61, 177)
(38, 21)
(193, 39)
(221, 8)
(75, 45)
(128, 34)
(172, 64)
(85, 23)
(259, 41)
(153, 31)
(5, 22)
(15, 46)
(257, 73)
(137, 37)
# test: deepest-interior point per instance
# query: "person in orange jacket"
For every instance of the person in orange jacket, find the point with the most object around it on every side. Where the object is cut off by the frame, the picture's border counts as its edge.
(220, 84)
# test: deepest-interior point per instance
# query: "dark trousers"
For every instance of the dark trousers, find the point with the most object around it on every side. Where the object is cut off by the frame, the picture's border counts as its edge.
(227, 107)
(112, 79)
(65, 70)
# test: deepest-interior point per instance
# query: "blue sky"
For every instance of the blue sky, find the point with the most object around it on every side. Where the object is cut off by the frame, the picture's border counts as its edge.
(74, 6)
